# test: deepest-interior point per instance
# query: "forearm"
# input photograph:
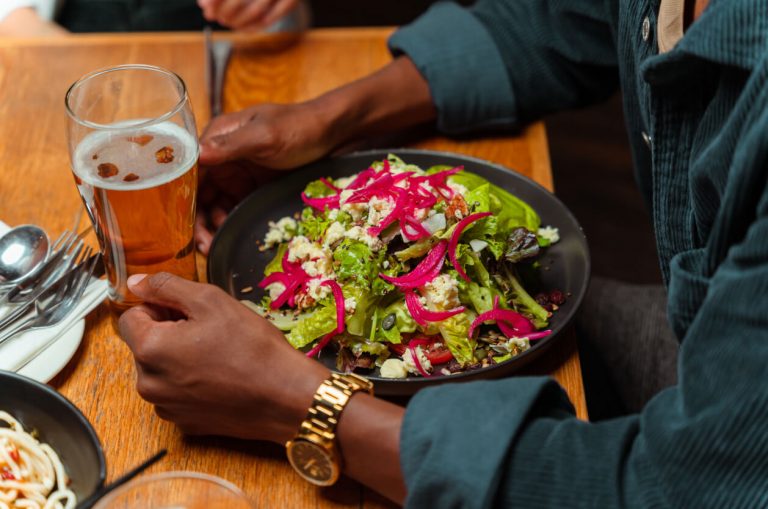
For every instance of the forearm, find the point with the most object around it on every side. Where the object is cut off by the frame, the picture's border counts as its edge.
(369, 439)
(394, 98)
(26, 22)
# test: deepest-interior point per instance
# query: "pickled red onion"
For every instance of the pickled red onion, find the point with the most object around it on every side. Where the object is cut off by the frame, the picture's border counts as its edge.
(420, 275)
(321, 344)
(416, 361)
(511, 323)
(338, 297)
(422, 315)
(332, 202)
(453, 244)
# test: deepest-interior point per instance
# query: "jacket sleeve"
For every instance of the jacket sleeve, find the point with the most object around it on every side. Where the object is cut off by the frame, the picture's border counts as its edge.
(702, 443)
(506, 62)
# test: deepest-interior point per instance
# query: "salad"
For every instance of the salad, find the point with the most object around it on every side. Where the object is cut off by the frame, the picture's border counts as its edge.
(416, 272)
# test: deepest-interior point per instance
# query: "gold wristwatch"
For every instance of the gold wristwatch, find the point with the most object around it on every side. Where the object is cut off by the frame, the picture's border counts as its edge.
(313, 452)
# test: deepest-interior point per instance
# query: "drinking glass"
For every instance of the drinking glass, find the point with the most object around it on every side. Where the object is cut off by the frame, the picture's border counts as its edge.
(133, 152)
(176, 490)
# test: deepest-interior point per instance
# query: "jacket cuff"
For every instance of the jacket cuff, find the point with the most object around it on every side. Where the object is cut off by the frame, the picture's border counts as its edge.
(459, 59)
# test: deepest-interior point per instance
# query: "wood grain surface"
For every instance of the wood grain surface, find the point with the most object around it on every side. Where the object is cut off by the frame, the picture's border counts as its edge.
(36, 186)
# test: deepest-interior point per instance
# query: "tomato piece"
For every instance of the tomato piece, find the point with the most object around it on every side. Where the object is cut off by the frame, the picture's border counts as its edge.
(432, 346)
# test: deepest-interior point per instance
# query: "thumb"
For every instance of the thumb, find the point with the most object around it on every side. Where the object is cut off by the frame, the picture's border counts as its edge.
(166, 290)
(234, 145)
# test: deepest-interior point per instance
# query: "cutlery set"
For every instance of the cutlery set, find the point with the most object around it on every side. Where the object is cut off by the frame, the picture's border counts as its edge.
(47, 295)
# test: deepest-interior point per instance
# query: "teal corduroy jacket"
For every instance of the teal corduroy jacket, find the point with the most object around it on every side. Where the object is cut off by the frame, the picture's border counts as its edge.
(697, 117)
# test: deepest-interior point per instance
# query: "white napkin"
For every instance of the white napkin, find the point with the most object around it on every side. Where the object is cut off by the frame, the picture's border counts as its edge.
(17, 351)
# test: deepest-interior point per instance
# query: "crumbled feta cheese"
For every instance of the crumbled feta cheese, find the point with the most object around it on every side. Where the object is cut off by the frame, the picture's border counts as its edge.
(333, 214)
(457, 188)
(316, 261)
(361, 234)
(410, 365)
(378, 209)
(356, 210)
(280, 231)
(275, 290)
(317, 290)
(442, 293)
(350, 304)
(393, 368)
(321, 267)
(334, 233)
(385, 264)
(550, 233)
(301, 248)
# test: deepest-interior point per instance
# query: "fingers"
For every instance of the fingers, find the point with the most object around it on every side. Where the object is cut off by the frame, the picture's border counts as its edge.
(145, 335)
(203, 236)
(169, 291)
(253, 15)
(279, 9)
(229, 11)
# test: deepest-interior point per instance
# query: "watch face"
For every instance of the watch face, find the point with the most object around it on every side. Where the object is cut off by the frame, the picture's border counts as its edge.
(312, 462)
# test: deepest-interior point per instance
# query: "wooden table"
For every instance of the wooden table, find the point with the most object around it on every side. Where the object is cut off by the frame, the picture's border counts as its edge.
(36, 187)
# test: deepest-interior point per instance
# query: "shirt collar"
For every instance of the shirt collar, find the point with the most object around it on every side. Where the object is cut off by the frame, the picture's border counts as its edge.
(670, 24)
(729, 32)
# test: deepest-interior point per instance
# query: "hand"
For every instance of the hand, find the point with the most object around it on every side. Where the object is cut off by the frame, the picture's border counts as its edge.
(245, 14)
(25, 22)
(245, 146)
(212, 366)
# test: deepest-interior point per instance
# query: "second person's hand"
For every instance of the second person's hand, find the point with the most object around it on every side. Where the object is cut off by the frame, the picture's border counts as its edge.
(246, 14)
(248, 148)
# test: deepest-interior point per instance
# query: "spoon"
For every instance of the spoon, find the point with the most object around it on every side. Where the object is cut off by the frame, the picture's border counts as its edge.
(22, 252)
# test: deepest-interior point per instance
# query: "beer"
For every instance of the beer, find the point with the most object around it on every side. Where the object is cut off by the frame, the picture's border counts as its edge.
(139, 188)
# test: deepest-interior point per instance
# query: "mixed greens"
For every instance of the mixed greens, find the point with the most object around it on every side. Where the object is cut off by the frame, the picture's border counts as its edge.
(413, 271)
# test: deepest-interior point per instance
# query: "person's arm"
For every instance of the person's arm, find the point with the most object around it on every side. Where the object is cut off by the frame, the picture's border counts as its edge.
(243, 145)
(25, 21)
(199, 352)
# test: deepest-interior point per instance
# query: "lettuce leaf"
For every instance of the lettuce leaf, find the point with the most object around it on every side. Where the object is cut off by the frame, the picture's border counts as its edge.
(276, 264)
(316, 189)
(455, 333)
(313, 326)
(509, 210)
(313, 225)
(404, 323)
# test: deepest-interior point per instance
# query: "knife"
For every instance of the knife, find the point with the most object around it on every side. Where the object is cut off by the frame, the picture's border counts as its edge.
(216, 59)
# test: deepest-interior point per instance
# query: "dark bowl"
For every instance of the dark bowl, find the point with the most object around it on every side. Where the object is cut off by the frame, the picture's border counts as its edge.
(235, 262)
(59, 424)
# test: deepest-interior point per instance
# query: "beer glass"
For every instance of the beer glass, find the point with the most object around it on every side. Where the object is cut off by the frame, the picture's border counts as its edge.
(176, 490)
(133, 151)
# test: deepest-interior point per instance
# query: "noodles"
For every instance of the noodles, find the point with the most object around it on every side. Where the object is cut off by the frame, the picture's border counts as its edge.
(31, 474)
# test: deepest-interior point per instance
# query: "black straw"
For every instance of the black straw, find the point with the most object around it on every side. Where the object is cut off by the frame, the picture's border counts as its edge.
(98, 494)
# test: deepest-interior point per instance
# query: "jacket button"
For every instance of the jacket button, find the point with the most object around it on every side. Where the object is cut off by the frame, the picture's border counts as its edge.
(647, 139)
(646, 29)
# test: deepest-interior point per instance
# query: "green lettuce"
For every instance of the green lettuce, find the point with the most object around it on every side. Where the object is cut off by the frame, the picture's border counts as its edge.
(510, 211)
(455, 333)
(276, 264)
(313, 326)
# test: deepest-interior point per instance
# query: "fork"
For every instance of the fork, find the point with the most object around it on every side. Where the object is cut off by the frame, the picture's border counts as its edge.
(47, 287)
(51, 309)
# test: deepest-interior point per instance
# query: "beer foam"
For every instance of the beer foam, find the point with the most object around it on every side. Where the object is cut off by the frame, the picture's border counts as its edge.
(130, 157)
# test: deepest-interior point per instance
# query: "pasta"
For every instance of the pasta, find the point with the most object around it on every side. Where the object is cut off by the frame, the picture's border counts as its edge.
(31, 474)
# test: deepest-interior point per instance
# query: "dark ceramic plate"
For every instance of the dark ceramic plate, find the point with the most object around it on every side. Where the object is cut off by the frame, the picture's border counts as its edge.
(60, 425)
(235, 261)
